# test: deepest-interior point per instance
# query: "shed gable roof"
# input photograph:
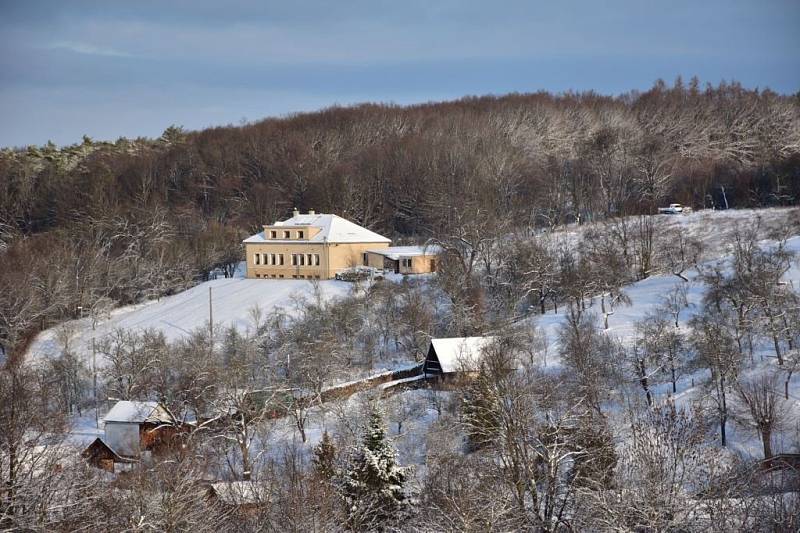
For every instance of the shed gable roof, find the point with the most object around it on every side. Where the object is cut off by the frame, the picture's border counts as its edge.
(460, 353)
(98, 445)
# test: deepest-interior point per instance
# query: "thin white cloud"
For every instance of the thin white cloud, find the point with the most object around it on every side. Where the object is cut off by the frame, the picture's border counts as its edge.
(88, 49)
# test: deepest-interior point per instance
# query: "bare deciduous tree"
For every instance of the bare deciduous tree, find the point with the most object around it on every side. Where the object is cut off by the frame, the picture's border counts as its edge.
(762, 407)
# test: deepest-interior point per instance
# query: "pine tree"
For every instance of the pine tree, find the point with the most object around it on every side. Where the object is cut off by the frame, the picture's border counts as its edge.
(325, 457)
(479, 413)
(373, 483)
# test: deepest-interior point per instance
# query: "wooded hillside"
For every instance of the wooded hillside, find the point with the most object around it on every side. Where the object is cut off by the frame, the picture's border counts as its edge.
(99, 222)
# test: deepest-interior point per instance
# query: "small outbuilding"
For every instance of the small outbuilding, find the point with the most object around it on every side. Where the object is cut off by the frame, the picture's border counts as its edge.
(132, 427)
(403, 259)
(455, 355)
(244, 497)
(100, 455)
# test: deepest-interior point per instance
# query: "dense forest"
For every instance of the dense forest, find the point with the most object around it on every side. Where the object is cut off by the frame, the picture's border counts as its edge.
(103, 223)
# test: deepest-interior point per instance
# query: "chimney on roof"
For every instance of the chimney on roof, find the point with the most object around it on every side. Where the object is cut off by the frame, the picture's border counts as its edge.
(295, 212)
(311, 212)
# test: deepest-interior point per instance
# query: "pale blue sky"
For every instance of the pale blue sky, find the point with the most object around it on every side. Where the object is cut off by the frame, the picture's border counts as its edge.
(109, 69)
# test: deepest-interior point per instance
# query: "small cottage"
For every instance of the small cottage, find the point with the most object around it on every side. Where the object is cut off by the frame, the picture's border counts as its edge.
(132, 427)
(447, 357)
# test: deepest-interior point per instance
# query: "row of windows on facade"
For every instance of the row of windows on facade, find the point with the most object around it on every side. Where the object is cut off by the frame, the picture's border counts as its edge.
(278, 260)
(273, 234)
(295, 276)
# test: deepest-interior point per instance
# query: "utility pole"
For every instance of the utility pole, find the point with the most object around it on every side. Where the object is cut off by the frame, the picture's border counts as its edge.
(94, 379)
(210, 320)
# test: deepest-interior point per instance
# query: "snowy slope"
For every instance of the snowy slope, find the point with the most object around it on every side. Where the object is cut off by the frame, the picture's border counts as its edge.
(649, 293)
(180, 314)
(646, 295)
(714, 229)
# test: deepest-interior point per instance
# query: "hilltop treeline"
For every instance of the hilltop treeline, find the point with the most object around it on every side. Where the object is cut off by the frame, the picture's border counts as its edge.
(143, 217)
(403, 170)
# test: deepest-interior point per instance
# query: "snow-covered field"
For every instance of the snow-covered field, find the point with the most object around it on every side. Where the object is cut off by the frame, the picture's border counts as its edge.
(179, 315)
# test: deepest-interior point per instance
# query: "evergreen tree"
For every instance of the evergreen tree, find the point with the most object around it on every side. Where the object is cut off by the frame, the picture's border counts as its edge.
(373, 482)
(325, 457)
(479, 412)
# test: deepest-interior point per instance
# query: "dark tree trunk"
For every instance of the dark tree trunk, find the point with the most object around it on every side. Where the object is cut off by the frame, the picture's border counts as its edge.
(723, 412)
(672, 374)
(643, 381)
(766, 440)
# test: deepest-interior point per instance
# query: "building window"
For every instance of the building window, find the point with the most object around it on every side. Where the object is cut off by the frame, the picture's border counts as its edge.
(299, 234)
(257, 259)
(266, 259)
(310, 259)
(280, 275)
(316, 259)
(366, 259)
(281, 259)
(287, 234)
(406, 262)
(272, 259)
(273, 234)
(302, 259)
(294, 259)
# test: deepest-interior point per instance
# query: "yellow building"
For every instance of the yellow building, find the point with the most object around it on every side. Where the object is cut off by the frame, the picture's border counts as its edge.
(309, 246)
(403, 259)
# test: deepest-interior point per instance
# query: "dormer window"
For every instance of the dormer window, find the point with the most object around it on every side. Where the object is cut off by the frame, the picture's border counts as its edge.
(273, 234)
(287, 234)
(300, 234)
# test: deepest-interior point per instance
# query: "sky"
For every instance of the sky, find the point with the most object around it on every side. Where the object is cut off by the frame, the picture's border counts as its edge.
(110, 69)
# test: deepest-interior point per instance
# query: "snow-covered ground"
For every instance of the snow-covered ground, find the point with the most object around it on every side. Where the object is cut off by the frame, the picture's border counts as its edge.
(181, 314)
(714, 229)
(646, 296)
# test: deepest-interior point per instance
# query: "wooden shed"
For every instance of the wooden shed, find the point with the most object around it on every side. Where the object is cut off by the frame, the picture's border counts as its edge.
(456, 355)
(100, 455)
(244, 497)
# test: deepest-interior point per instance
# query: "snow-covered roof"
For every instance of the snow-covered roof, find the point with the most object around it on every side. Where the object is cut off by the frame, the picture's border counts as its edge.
(333, 229)
(396, 252)
(99, 442)
(460, 353)
(238, 492)
(137, 412)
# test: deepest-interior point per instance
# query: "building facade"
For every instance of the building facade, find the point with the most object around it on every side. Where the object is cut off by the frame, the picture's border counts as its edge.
(309, 246)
